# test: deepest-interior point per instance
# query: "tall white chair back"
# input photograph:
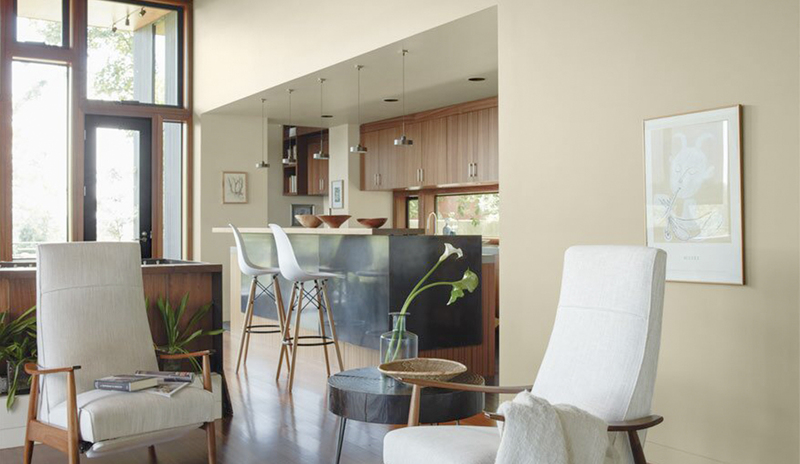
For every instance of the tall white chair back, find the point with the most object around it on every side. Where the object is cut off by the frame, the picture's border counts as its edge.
(287, 260)
(603, 351)
(90, 312)
(246, 266)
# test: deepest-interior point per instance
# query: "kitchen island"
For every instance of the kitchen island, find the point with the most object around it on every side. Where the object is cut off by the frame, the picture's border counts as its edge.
(377, 268)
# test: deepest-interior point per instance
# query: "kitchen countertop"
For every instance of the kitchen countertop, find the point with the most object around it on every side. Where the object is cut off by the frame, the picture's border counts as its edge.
(321, 231)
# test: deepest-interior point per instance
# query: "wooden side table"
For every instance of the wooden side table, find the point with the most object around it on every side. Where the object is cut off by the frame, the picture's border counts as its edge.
(366, 395)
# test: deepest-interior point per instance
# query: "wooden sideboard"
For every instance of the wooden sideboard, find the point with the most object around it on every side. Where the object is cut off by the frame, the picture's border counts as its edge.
(453, 145)
(162, 279)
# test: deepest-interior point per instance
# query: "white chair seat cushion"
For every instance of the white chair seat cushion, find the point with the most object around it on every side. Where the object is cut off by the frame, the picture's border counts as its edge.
(441, 445)
(106, 415)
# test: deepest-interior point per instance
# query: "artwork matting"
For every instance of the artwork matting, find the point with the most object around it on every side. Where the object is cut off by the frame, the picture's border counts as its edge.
(693, 194)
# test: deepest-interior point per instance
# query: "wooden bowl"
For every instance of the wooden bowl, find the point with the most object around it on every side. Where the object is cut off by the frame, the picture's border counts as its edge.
(334, 221)
(372, 223)
(308, 220)
(423, 368)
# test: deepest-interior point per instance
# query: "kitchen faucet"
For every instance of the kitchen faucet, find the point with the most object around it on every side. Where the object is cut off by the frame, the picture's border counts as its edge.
(428, 222)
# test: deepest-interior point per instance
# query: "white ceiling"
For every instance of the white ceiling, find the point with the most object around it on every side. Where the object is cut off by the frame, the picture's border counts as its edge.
(437, 67)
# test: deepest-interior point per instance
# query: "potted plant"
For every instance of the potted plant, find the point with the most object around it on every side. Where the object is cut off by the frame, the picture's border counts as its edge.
(399, 343)
(17, 346)
(177, 339)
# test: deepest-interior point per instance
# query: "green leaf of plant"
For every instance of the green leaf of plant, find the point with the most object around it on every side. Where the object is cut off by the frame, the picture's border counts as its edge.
(468, 282)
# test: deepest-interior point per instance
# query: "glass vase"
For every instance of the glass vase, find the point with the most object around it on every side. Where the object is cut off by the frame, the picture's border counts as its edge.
(398, 343)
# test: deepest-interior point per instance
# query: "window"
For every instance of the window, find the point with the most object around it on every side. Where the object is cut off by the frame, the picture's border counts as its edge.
(412, 213)
(41, 21)
(39, 163)
(173, 144)
(468, 214)
(134, 53)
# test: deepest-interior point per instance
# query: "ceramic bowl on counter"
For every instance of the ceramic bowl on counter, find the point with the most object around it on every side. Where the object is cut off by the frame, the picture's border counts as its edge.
(308, 220)
(334, 221)
(372, 223)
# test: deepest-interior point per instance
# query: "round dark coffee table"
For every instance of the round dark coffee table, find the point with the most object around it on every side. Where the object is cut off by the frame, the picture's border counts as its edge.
(366, 395)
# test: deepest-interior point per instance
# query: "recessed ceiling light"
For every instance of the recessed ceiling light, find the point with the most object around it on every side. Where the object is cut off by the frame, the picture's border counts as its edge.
(391, 100)
(476, 79)
(327, 115)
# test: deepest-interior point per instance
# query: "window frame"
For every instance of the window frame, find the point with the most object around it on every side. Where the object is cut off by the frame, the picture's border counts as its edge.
(74, 56)
(65, 27)
(427, 203)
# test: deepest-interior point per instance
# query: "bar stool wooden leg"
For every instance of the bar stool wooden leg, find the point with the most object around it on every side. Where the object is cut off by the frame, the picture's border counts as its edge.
(276, 289)
(293, 365)
(249, 326)
(286, 333)
(318, 289)
(246, 323)
(333, 324)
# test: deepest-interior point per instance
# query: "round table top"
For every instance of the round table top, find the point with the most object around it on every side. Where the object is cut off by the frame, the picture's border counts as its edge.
(366, 395)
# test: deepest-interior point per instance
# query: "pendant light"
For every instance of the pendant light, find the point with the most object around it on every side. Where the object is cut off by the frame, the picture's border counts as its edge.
(358, 148)
(403, 140)
(321, 154)
(290, 159)
(263, 163)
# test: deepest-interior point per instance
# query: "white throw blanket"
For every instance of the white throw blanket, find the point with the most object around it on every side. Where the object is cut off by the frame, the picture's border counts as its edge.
(536, 432)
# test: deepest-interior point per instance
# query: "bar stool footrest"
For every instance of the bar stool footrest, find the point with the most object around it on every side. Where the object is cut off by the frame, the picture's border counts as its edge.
(249, 329)
(325, 341)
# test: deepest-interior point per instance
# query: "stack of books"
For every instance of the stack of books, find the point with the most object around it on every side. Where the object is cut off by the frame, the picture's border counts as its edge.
(156, 382)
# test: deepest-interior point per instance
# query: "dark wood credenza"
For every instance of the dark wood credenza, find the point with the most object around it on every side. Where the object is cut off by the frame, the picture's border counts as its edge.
(170, 279)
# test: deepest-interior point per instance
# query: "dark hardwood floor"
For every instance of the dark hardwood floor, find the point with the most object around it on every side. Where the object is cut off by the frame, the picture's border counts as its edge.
(268, 426)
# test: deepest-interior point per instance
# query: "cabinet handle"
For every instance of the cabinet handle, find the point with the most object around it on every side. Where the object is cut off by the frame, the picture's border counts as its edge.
(474, 169)
(321, 187)
(469, 170)
(422, 175)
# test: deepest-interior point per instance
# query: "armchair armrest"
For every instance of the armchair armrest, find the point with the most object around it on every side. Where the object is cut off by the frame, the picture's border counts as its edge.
(633, 425)
(413, 410)
(35, 369)
(195, 354)
(205, 354)
(465, 386)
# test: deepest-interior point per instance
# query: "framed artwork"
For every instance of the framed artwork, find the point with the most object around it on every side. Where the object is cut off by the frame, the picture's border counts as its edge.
(693, 184)
(300, 209)
(337, 194)
(234, 187)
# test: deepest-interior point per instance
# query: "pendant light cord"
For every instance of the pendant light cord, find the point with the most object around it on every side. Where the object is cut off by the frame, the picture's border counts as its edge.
(404, 91)
(263, 104)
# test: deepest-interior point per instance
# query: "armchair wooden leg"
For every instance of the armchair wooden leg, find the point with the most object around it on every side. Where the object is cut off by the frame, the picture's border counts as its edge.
(33, 400)
(211, 438)
(151, 452)
(73, 433)
(636, 447)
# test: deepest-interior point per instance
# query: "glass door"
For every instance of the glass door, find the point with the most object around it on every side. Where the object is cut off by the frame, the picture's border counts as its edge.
(117, 181)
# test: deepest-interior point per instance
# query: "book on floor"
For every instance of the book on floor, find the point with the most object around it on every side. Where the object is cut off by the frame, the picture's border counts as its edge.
(166, 389)
(168, 376)
(127, 383)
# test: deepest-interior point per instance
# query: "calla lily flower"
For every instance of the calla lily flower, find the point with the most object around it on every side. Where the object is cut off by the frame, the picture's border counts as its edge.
(450, 250)
(469, 283)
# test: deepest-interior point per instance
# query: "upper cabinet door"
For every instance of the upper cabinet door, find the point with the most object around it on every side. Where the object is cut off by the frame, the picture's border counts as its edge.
(392, 170)
(459, 160)
(410, 158)
(485, 157)
(372, 160)
(433, 169)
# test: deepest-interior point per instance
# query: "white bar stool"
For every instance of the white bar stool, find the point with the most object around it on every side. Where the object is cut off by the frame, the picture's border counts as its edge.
(273, 290)
(291, 271)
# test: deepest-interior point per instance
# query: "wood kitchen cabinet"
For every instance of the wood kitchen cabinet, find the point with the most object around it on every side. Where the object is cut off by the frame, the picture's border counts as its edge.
(452, 146)
(317, 170)
(472, 154)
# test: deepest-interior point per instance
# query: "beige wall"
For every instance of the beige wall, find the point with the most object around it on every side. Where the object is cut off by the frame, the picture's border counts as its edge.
(577, 78)
(230, 143)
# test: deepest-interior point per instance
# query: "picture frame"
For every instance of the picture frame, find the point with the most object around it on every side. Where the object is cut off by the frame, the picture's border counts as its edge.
(234, 187)
(693, 194)
(337, 194)
(296, 209)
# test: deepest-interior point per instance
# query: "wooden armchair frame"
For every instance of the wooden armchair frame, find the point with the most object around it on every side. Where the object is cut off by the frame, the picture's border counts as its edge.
(68, 440)
(630, 427)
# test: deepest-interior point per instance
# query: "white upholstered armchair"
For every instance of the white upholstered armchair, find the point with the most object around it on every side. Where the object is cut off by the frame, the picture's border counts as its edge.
(91, 323)
(602, 358)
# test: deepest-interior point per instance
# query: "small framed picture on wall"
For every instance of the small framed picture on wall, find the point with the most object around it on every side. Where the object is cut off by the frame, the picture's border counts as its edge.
(337, 194)
(234, 187)
(693, 183)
